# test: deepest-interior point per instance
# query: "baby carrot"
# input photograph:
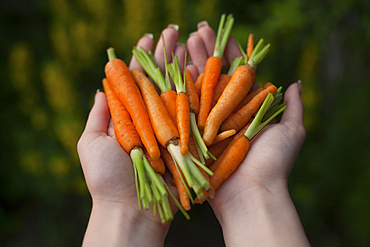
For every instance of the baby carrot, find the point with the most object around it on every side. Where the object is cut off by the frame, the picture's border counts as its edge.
(222, 82)
(239, 85)
(250, 45)
(163, 126)
(122, 83)
(198, 83)
(223, 135)
(191, 92)
(213, 69)
(241, 117)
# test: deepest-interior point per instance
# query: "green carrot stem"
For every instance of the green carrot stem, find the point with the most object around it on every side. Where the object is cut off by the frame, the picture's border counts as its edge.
(223, 33)
(182, 163)
(137, 159)
(197, 136)
(205, 168)
(258, 54)
(137, 187)
(160, 211)
(198, 176)
(111, 54)
(173, 198)
(154, 178)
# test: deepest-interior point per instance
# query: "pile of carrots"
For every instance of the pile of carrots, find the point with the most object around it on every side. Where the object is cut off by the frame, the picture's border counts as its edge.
(200, 132)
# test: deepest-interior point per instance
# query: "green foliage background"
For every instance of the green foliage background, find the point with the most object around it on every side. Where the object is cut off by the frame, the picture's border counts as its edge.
(52, 60)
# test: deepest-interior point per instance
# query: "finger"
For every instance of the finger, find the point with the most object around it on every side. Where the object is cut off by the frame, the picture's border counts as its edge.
(208, 37)
(147, 43)
(197, 51)
(170, 35)
(231, 51)
(295, 109)
(99, 116)
(180, 52)
(193, 70)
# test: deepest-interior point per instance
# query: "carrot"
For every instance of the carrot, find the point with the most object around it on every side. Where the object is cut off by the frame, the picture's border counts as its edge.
(213, 69)
(191, 92)
(167, 95)
(163, 126)
(247, 98)
(240, 118)
(124, 129)
(198, 83)
(250, 45)
(122, 83)
(184, 195)
(182, 105)
(233, 156)
(222, 82)
(149, 186)
(224, 135)
(238, 87)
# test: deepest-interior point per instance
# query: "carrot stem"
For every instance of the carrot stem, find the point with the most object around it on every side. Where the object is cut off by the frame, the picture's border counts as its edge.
(111, 53)
(172, 196)
(200, 164)
(223, 32)
(197, 136)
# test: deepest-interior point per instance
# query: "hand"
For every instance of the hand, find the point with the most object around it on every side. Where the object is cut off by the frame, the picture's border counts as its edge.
(254, 205)
(115, 218)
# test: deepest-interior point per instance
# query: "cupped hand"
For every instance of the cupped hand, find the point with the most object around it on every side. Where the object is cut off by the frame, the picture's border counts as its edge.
(106, 166)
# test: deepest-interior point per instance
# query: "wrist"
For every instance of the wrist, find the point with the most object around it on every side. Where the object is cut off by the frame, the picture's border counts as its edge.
(261, 216)
(119, 224)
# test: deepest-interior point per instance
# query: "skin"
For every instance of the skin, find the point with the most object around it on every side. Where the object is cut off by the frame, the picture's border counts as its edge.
(253, 206)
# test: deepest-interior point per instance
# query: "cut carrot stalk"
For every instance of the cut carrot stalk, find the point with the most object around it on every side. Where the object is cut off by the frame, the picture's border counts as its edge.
(238, 87)
(213, 69)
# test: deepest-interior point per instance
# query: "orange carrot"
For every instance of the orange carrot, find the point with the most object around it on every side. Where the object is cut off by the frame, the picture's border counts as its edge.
(182, 190)
(213, 69)
(251, 95)
(198, 83)
(183, 120)
(191, 92)
(250, 45)
(163, 126)
(238, 87)
(241, 117)
(169, 100)
(224, 135)
(222, 82)
(124, 129)
(122, 83)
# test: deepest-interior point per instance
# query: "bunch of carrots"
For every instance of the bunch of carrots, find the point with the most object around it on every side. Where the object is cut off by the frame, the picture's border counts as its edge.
(200, 132)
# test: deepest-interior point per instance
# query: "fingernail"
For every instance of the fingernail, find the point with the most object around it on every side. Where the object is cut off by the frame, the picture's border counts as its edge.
(149, 35)
(189, 62)
(97, 91)
(174, 26)
(180, 44)
(300, 86)
(193, 34)
(202, 24)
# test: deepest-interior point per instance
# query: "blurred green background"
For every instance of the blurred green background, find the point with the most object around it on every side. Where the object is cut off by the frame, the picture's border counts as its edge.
(52, 60)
